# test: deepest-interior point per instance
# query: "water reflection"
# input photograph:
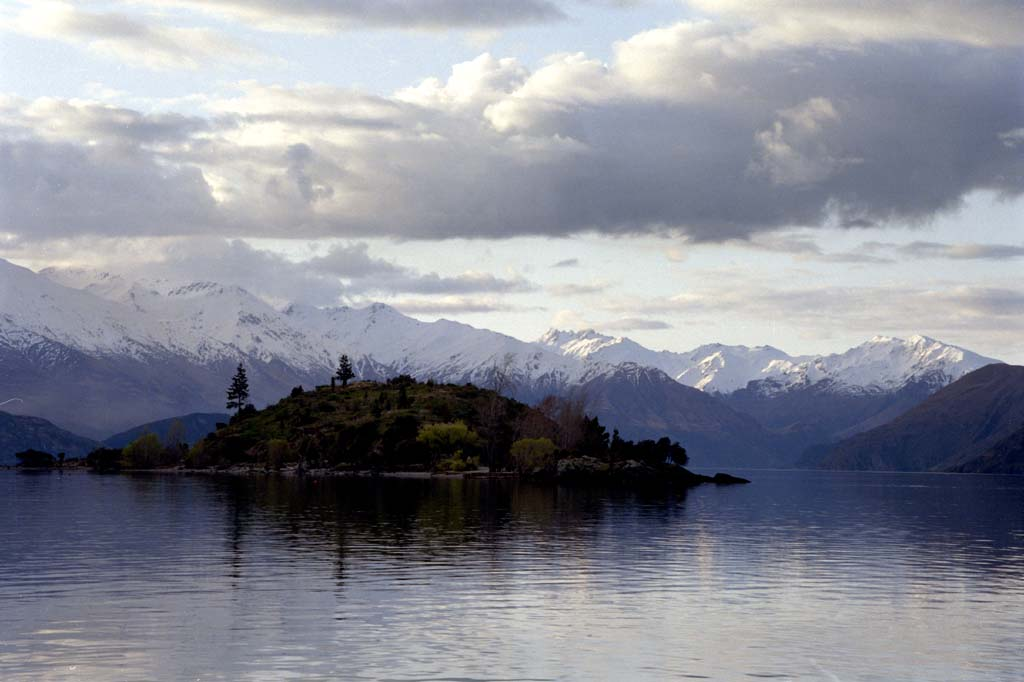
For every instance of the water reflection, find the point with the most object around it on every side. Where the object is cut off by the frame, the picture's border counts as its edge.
(799, 576)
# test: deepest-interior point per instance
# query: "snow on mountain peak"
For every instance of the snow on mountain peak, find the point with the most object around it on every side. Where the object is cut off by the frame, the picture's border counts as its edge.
(209, 321)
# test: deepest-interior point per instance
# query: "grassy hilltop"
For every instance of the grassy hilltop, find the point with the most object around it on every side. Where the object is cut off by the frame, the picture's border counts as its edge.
(404, 425)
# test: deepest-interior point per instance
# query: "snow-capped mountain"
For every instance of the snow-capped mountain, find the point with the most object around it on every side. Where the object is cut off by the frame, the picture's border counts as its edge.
(881, 364)
(714, 368)
(96, 352)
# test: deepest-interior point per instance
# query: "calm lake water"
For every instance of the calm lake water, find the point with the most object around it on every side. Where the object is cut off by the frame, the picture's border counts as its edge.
(799, 576)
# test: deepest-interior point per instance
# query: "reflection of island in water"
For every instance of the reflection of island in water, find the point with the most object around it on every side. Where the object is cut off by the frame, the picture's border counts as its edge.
(805, 575)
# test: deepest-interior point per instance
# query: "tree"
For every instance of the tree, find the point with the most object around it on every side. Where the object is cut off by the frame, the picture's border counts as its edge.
(175, 438)
(531, 455)
(144, 452)
(238, 393)
(344, 372)
(35, 459)
(451, 439)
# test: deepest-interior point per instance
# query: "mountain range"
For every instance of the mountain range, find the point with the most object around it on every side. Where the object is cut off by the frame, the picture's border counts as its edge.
(97, 353)
(974, 424)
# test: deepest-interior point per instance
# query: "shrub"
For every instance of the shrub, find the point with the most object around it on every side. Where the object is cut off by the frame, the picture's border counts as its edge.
(451, 439)
(144, 452)
(530, 455)
(35, 459)
(279, 452)
(104, 460)
(458, 463)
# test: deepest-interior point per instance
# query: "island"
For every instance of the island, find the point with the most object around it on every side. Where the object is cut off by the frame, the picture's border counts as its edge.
(407, 427)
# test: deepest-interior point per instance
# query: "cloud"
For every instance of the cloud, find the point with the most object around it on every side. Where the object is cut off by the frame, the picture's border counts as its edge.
(452, 305)
(567, 263)
(966, 251)
(131, 39)
(626, 324)
(345, 271)
(988, 23)
(695, 130)
(977, 316)
(578, 289)
(317, 16)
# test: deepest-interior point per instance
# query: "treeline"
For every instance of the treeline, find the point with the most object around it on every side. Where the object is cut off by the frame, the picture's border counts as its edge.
(401, 424)
(404, 424)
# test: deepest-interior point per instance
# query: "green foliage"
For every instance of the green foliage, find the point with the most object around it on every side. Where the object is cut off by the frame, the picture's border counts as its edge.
(104, 460)
(279, 453)
(238, 392)
(458, 463)
(144, 452)
(175, 438)
(344, 372)
(407, 425)
(530, 455)
(452, 439)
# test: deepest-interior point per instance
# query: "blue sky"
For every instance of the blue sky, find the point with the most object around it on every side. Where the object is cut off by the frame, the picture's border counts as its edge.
(795, 173)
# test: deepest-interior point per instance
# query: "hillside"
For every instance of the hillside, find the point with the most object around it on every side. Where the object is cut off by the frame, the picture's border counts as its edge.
(194, 427)
(18, 433)
(97, 353)
(403, 425)
(955, 425)
(642, 402)
(1005, 457)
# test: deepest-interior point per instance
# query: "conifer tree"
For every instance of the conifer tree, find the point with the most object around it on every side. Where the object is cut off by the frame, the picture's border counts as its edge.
(344, 372)
(238, 392)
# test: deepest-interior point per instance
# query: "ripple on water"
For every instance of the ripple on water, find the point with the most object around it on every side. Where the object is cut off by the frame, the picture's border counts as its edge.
(809, 576)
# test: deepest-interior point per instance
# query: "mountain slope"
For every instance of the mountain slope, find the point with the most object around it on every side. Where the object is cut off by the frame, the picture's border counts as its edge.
(954, 425)
(195, 427)
(97, 353)
(1005, 457)
(644, 402)
(19, 433)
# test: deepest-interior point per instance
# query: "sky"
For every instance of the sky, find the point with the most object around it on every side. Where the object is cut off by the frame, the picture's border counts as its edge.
(800, 173)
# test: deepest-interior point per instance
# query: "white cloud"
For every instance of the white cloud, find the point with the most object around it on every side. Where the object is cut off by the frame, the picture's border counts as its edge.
(985, 23)
(135, 40)
(688, 131)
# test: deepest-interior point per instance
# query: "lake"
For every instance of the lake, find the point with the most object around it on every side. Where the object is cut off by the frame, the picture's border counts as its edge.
(798, 576)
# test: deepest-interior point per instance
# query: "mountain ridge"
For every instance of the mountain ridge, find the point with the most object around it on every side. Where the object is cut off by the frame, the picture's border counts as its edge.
(953, 426)
(138, 352)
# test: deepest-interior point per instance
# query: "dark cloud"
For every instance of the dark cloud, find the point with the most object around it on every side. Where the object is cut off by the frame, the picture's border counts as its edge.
(567, 263)
(690, 131)
(318, 15)
(62, 189)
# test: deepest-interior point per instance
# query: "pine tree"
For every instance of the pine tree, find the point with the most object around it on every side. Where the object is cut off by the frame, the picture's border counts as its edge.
(344, 372)
(238, 393)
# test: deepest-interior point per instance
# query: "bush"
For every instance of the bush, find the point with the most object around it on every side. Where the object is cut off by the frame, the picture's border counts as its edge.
(104, 460)
(144, 452)
(35, 459)
(279, 453)
(531, 455)
(448, 440)
(458, 463)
